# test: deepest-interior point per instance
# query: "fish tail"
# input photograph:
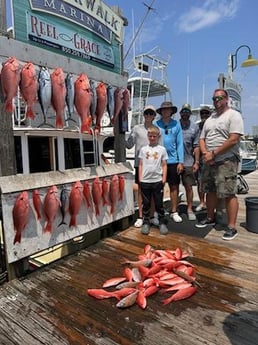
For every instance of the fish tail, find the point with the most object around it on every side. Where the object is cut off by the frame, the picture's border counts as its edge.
(85, 128)
(8, 107)
(72, 221)
(48, 227)
(97, 210)
(59, 122)
(112, 209)
(17, 237)
(30, 113)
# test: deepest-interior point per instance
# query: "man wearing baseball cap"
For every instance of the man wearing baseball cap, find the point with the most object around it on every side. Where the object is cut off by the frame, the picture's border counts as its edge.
(138, 137)
(172, 137)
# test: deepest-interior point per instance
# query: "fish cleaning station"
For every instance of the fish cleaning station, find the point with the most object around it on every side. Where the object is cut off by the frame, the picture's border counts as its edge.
(73, 268)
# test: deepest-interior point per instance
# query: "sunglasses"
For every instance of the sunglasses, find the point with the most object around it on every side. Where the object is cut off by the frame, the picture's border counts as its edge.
(218, 98)
(150, 113)
(204, 113)
(187, 112)
(166, 130)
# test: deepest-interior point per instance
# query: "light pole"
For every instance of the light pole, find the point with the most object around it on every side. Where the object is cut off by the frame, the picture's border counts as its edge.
(232, 60)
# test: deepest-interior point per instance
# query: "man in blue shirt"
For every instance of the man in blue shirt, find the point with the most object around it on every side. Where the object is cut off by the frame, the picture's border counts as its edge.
(172, 138)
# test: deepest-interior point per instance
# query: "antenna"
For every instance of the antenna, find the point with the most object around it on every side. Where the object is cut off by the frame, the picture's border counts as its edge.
(149, 8)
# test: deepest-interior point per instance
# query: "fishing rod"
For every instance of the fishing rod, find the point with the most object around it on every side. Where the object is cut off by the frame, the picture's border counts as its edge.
(149, 8)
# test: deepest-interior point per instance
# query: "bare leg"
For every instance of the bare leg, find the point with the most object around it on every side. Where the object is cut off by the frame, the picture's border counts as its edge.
(211, 199)
(189, 198)
(232, 210)
(174, 190)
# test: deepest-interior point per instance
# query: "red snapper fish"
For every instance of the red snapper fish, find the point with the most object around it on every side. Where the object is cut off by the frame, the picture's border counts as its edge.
(37, 202)
(20, 214)
(118, 95)
(97, 194)
(58, 95)
(114, 192)
(75, 202)
(87, 194)
(101, 91)
(105, 190)
(29, 88)
(10, 78)
(82, 101)
(51, 205)
(121, 186)
(126, 102)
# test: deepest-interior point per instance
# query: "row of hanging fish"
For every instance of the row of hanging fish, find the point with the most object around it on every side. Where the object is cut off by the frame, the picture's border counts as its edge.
(102, 192)
(89, 98)
(162, 271)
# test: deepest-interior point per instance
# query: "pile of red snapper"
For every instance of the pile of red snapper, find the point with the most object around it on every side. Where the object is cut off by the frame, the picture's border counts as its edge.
(157, 270)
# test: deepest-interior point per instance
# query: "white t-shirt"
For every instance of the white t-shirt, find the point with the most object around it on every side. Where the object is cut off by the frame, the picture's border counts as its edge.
(216, 131)
(152, 157)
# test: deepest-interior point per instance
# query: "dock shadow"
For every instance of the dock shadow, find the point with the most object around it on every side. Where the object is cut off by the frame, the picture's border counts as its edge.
(187, 227)
(241, 327)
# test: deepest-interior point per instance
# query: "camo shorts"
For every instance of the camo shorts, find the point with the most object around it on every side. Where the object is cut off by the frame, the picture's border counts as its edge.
(220, 178)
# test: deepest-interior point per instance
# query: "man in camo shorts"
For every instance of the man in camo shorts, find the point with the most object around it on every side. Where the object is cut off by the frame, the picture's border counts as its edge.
(219, 144)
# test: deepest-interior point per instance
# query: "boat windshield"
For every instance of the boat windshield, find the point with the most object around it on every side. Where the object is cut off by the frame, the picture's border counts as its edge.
(247, 146)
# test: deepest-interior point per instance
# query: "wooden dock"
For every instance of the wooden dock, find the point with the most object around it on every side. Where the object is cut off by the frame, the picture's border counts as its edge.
(51, 306)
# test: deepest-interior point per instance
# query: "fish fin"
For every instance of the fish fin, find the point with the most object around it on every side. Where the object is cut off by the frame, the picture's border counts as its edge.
(30, 113)
(17, 237)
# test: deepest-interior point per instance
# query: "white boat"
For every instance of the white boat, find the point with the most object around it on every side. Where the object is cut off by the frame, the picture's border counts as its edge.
(248, 154)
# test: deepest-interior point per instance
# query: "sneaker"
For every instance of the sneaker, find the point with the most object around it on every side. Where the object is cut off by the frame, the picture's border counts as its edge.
(191, 216)
(163, 229)
(230, 234)
(138, 223)
(176, 218)
(145, 229)
(205, 222)
(154, 221)
(200, 208)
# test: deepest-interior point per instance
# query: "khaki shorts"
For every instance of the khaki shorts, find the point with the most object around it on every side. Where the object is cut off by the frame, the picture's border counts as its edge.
(188, 177)
(220, 178)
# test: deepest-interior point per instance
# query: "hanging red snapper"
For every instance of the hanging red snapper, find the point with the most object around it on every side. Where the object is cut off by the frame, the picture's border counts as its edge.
(101, 90)
(97, 194)
(82, 101)
(58, 95)
(20, 214)
(114, 192)
(126, 103)
(10, 78)
(87, 194)
(105, 190)
(118, 99)
(51, 205)
(37, 202)
(29, 88)
(121, 186)
(75, 202)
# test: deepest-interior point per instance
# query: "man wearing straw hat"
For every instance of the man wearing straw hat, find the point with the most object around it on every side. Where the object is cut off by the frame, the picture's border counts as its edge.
(172, 137)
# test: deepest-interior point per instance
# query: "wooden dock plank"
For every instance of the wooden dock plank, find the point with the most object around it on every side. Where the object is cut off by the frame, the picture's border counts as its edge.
(51, 305)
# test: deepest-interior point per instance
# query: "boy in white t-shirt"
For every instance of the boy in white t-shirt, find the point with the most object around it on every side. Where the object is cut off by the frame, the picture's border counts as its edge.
(152, 177)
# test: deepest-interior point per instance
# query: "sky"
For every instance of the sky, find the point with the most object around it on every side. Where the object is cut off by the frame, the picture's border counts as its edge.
(199, 35)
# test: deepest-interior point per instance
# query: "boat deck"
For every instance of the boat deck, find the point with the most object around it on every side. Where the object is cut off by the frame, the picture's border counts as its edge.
(51, 306)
